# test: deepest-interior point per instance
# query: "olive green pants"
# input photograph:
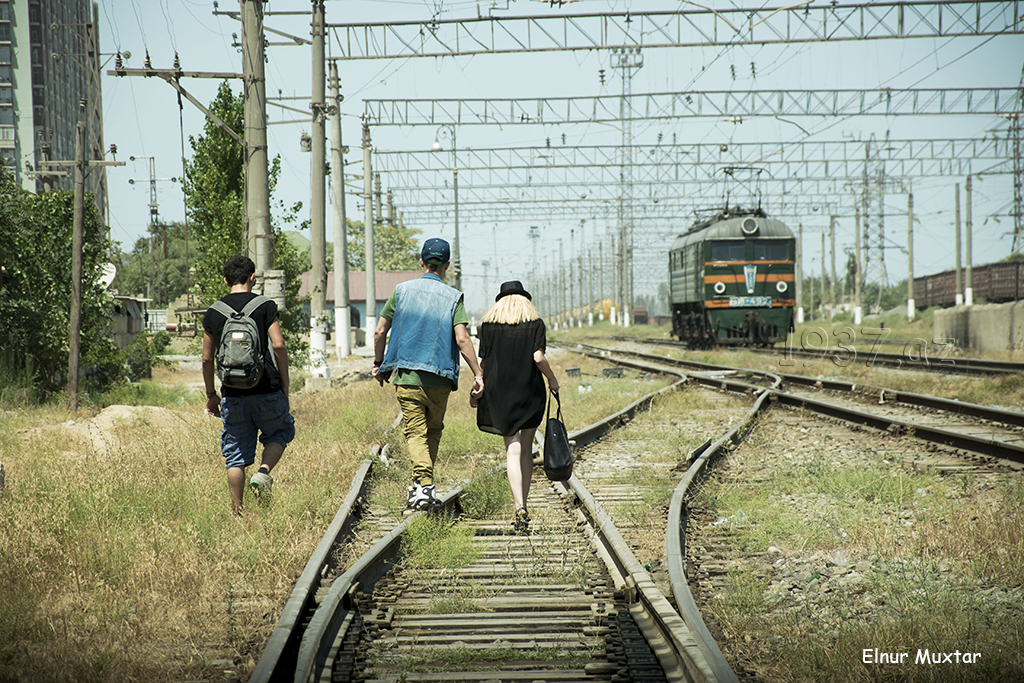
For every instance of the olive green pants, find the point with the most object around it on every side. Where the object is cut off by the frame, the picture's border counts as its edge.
(423, 410)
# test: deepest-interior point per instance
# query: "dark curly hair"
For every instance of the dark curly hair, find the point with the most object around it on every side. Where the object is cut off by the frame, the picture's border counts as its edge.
(238, 270)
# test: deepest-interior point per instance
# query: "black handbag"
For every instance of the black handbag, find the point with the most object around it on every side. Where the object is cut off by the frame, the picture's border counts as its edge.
(557, 449)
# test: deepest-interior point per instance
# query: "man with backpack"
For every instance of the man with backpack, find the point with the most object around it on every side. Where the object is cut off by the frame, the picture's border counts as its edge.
(244, 348)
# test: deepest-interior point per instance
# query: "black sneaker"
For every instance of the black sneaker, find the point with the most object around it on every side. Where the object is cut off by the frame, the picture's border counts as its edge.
(421, 498)
(521, 522)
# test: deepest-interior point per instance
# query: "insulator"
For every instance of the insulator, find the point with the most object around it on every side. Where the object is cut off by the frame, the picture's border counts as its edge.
(732, 70)
(177, 62)
(753, 68)
(118, 64)
(148, 64)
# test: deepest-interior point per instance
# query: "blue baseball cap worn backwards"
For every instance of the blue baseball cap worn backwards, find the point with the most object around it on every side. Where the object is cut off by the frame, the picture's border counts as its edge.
(436, 250)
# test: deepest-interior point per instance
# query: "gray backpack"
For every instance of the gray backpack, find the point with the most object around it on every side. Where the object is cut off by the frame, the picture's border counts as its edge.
(240, 360)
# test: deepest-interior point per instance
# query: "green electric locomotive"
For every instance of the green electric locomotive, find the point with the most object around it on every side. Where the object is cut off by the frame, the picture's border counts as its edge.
(731, 280)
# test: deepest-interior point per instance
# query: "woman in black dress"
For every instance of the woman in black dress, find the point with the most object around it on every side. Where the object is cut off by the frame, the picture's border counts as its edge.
(512, 345)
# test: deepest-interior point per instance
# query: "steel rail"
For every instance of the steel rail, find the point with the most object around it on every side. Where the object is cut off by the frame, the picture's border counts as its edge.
(700, 459)
(911, 358)
(277, 659)
(681, 655)
(945, 437)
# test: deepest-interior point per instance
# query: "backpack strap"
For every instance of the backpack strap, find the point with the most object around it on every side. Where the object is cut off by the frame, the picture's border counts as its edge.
(254, 304)
(223, 308)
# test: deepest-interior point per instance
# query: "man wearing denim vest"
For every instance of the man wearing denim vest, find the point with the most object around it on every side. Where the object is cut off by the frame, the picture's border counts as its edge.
(427, 321)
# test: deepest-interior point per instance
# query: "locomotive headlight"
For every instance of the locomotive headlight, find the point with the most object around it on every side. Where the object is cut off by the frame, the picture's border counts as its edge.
(781, 286)
(719, 288)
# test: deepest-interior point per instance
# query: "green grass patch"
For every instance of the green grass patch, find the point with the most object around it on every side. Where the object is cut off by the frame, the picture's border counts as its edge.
(488, 497)
(435, 541)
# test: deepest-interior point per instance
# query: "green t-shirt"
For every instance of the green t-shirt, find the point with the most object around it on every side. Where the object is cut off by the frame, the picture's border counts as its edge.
(422, 378)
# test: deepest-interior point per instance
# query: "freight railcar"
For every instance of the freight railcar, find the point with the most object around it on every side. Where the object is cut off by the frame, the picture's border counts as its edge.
(731, 280)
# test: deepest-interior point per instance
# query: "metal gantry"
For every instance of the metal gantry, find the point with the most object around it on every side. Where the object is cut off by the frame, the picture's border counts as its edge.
(691, 25)
(723, 104)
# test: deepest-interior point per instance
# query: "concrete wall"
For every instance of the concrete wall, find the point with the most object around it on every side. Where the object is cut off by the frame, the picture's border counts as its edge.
(991, 328)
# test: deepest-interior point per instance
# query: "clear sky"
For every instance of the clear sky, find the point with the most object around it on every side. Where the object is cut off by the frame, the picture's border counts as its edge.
(141, 117)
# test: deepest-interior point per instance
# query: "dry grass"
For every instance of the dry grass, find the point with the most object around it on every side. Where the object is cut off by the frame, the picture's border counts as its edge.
(119, 556)
(938, 553)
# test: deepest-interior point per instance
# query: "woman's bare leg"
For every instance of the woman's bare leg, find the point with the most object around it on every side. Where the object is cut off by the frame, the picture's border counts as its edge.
(519, 462)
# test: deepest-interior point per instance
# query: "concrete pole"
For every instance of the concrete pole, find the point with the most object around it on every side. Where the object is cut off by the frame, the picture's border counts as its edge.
(911, 310)
(832, 249)
(614, 311)
(342, 314)
(856, 274)
(371, 271)
(257, 191)
(571, 277)
(822, 283)
(968, 286)
(77, 239)
(959, 276)
(800, 274)
(456, 248)
(590, 287)
(318, 204)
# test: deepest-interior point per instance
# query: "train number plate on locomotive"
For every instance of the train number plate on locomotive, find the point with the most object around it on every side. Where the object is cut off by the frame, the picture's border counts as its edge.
(750, 301)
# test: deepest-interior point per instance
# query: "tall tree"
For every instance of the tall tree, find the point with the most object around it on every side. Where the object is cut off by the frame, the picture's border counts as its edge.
(214, 189)
(394, 248)
(158, 264)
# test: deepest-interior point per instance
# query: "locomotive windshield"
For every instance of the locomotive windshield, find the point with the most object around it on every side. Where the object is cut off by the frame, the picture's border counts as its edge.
(728, 251)
(771, 250)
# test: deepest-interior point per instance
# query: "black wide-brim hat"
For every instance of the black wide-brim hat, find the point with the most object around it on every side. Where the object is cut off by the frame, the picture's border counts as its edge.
(512, 287)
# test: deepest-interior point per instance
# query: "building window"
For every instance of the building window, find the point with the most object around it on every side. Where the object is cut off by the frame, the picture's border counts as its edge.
(6, 116)
(6, 95)
(5, 11)
(5, 54)
(5, 32)
(5, 74)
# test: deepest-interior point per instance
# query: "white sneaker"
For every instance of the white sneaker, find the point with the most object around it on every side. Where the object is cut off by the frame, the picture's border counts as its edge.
(261, 485)
(421, 497)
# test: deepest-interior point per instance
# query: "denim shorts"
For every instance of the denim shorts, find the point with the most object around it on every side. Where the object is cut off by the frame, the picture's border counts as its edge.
(245, 416)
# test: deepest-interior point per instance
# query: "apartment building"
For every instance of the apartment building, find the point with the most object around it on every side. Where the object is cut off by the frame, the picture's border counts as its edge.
(49, 64)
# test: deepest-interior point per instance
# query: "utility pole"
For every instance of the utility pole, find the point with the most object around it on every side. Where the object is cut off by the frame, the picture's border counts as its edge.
(857, 273)
(832, 245)
(81, 166)
(342, 319)
(154, 224)
(959, 276)
(318, 204)
(911, 310)
(822, 297)
(800, 274)
(257, 191)
(968, 286)
(628, 60)
(371, 273)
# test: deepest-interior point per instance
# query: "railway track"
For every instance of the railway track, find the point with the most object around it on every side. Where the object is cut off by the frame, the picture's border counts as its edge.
(371, 619)
(599, 614)
(976, 431)
(916, 355)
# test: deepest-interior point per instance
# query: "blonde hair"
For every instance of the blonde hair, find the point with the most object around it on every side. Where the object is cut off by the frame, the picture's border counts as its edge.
(511, 310)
